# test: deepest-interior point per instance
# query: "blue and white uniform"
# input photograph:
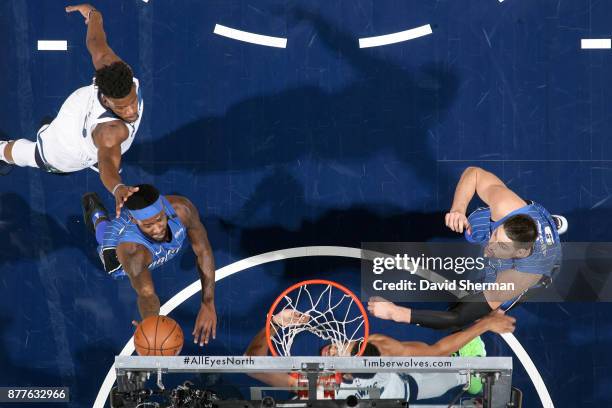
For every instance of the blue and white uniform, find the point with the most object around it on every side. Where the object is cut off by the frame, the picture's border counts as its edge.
(402, 386)
(66, 145)
(123, 230)
(546, 252)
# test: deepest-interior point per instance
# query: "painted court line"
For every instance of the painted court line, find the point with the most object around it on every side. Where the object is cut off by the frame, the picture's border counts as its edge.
(252, 38)
(48, 45)
(395, 37)
(596, 43)
(300, 252)
(530, 368)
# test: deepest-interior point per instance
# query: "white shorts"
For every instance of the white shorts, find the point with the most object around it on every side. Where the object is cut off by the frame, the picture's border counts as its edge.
(61, 144)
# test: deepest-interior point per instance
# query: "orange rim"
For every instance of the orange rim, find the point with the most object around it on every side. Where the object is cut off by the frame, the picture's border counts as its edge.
(366, 323)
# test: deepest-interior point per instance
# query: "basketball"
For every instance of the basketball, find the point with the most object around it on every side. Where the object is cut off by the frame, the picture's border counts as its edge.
(158, 336)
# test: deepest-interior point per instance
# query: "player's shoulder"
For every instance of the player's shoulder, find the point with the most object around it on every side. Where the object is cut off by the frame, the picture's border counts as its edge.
(122, 222)
(380, 341)
(503, 208)
(125, 230)
(111, 133)
(85, 91)
(374, 337)
(183, 207)
(537, 211)
(113, 126)
(131, 250)
(179, 202)
(480, 213)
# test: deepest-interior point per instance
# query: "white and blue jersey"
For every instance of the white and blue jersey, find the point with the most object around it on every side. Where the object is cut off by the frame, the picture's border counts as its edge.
(389, 385)
(67, 144)
(123, 230)
(402, 386)
(546, 253)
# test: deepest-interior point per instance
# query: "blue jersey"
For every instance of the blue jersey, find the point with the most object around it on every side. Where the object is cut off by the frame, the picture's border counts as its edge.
(546, 253)
(123, 230)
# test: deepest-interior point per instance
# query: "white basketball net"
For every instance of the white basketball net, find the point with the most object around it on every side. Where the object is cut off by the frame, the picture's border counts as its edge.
(338, 321)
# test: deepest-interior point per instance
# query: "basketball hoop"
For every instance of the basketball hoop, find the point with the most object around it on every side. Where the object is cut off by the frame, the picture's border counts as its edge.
(334, 314)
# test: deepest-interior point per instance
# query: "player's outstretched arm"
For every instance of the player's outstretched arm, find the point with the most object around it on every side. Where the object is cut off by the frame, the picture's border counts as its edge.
(135, 260)
(108, 138)
(206, 321)
(489, 188)
(496, 322)
(101, 53)
(259, 347)
(511, 278)
(456, 218)
(287, 317)
(466, 312)
(383, 309)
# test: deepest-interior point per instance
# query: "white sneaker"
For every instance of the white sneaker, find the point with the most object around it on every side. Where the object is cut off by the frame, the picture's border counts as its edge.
(561, 223)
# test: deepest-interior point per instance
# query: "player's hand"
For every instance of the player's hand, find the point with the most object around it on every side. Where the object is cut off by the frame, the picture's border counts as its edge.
(121, 195)
(499, 323)
(457, 222)
(205, 324)
(383, 309)
(84, 9)
(290, 317)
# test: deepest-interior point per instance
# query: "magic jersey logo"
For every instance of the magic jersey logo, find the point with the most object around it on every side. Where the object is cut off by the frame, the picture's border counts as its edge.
(548, 236)
(545, 238)
(165, 258)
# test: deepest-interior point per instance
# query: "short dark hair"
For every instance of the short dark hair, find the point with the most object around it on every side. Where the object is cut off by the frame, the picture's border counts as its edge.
(522, 230)
(369, 351)
(144, 197)
(115, 80)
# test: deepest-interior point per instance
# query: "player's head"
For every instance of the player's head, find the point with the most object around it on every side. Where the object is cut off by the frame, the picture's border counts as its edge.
(352, 349)
(331, 350)
(370, 351)
(513, 239)
(116, 83)
(147, 210)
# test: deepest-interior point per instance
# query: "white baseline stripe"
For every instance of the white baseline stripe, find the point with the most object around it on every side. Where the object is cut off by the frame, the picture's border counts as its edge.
(596, 43)
(395, 37)
(253, 38)
(345, 252)
(47, 45)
